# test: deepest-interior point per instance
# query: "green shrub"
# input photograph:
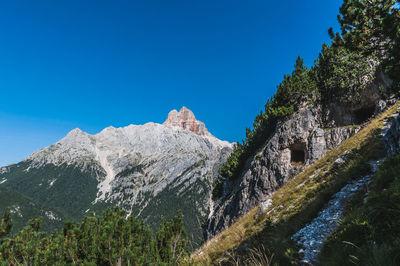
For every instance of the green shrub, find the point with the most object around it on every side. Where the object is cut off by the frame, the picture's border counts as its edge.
(111, 239)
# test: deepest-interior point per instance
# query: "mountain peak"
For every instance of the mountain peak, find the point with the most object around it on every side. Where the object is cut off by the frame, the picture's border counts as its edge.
(185, 119)
(76, 132)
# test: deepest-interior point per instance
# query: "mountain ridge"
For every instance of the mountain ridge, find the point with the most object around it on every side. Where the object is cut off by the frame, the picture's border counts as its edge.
(133, 167)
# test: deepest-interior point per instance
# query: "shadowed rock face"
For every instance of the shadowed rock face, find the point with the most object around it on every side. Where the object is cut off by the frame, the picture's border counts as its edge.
(297, 143)
(343, 114)
(185, 119)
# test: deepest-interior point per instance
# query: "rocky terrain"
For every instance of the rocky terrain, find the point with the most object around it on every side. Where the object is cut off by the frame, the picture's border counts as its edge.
(150, 170)
(297, 143)
(311, 237)
(185, 119)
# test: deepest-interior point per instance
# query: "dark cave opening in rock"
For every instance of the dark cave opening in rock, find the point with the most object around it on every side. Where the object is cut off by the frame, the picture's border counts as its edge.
(363, 114)
(298, 153)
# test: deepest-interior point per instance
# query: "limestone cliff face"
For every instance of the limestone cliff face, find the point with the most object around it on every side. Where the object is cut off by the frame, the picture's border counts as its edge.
(297, 142)
(185, 119)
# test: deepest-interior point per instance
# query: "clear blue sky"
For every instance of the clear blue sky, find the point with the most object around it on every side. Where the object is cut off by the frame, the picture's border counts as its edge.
(92, 64)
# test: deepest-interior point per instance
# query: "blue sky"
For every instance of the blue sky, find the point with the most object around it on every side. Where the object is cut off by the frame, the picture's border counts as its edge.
(92, 64)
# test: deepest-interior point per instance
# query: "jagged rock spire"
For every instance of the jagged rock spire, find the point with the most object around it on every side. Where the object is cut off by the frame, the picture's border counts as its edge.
(186, 120)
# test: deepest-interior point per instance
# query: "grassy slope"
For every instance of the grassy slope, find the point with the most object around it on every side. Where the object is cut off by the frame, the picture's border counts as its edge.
(369, 233)
(296, 203)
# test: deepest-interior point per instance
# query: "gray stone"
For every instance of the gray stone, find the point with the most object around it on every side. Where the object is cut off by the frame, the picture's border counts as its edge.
(272, 166)
(381, 105)
(312, 236)
(342, 158)
(265, 205)
(391, 135)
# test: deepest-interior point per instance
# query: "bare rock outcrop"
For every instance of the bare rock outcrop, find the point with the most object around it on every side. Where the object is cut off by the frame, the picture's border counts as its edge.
(185, 119)
(391, 134)
(297, 142)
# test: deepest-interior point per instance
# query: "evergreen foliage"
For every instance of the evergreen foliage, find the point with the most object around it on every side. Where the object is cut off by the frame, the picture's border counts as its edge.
(364, 23)
(24, 208)
(392, 29)
(295, 87)
(113, 239)
(343, 74)
(29, 195)
(172, 240)
(5, 224)
(372, 27)
(80, 187)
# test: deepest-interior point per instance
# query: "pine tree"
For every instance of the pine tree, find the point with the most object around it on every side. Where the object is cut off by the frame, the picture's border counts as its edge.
(363, 23)
(6, 223)
(172, 240)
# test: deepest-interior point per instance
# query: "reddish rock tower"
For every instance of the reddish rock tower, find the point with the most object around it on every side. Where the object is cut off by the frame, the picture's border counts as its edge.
(186, 120)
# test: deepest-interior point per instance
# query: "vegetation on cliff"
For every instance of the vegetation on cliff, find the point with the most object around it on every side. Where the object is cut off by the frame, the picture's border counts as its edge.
(369, 39)
(302, 82)
(296, 203)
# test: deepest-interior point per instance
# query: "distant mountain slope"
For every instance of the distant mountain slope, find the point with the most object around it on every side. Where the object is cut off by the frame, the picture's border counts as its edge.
(150, 170)
(24, 208)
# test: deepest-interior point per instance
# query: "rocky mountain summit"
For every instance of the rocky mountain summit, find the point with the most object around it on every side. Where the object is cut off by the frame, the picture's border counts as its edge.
(185, 119)
(150, 170)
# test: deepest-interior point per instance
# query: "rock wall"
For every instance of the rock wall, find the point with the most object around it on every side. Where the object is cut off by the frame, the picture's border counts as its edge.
(391, 134)
(297, 142)
(185, 119)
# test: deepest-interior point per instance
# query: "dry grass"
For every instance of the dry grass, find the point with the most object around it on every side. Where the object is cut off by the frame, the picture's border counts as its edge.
(291, 198)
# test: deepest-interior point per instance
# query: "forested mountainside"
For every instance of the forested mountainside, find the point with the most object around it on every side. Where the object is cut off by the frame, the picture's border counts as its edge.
(324, 150)
(151, 171)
